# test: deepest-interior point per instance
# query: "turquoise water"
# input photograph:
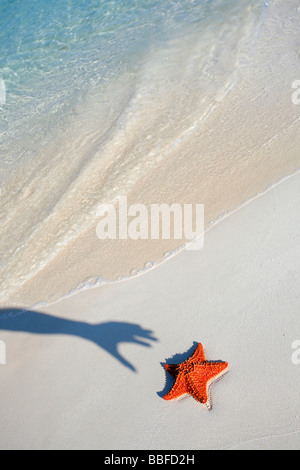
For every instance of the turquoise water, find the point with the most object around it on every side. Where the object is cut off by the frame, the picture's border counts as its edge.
(53, 53)
(100, 93)
(40, 38)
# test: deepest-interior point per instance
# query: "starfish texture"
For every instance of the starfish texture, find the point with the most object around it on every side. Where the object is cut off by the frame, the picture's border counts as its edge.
(194, 376)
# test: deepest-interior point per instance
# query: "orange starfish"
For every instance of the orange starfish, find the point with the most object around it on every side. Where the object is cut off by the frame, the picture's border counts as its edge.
(194, 376)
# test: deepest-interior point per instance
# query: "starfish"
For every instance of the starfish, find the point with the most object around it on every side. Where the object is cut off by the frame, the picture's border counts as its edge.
(194, 376)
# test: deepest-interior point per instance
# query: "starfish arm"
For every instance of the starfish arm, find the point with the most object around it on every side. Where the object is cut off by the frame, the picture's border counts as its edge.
(215, 369)
(199, 380)
(172, 369)
(179, 388)
(197, 386)
(199, 354)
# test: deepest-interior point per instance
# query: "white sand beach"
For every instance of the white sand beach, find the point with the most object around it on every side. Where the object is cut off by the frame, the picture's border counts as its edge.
(79, 377)
(168, 104)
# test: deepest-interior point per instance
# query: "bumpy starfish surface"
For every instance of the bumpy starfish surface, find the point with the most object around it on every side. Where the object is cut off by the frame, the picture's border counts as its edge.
(194, 376)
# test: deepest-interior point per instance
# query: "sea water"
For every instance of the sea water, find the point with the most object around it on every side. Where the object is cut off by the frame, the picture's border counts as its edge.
(55, 57)
(98, 93)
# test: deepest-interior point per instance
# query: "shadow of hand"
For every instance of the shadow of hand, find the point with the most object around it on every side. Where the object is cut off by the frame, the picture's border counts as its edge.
(109, 335)
(106, 335)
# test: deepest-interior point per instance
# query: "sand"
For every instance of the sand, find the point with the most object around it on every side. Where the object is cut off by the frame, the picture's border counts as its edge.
(96, 387)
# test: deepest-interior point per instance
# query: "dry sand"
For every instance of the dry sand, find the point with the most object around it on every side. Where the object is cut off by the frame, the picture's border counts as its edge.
(239, 296)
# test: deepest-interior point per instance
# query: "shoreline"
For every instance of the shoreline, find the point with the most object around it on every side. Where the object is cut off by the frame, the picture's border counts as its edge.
(172, 254)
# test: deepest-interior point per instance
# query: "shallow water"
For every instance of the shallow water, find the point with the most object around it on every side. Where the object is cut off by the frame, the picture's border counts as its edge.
(100, 94)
